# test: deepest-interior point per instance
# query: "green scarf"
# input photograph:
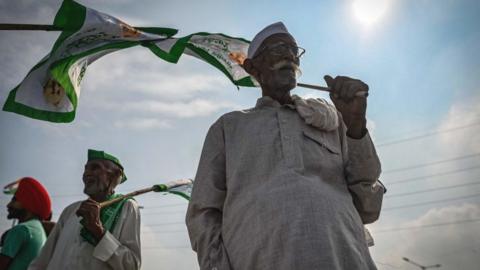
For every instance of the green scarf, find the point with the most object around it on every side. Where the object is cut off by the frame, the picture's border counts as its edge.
(108, 217)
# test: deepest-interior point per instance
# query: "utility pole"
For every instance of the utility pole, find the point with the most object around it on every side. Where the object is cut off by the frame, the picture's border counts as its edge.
(423, 267)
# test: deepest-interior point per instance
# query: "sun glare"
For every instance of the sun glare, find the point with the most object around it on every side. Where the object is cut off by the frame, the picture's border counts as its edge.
(370, 11)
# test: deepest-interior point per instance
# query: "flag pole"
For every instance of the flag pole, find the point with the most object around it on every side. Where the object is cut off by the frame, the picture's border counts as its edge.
(326, 89)
(316, 87)
(131, 194)
(34, 27)
(44, 27)
(156, 188)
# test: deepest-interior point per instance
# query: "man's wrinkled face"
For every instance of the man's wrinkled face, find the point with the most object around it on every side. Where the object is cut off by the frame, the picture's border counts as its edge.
(97, 177)
(15, 209)
(277, 63)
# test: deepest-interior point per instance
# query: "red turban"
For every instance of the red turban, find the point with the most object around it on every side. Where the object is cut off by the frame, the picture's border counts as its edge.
(34, 197)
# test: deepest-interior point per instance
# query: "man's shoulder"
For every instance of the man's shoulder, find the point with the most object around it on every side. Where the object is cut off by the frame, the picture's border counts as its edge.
(70, 209)
(131, 203)
(130, 208)
(19, 229)
(32, 224)
(74, 205)
(238, 114)
(18, 233)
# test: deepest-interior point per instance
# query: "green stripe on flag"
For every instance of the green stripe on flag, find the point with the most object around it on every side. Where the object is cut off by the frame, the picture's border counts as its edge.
(168, 32)
(214, 62)
(59, 69)
(70, 17)
(173, 55)
(19, 108)
(181, 194)
(178, 48)
(51, 89)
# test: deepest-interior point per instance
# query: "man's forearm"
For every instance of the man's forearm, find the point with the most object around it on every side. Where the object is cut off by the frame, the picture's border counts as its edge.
(356, 127)
(362, 171)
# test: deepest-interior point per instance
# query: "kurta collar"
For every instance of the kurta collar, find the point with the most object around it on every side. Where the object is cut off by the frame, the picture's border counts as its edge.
(267, 101)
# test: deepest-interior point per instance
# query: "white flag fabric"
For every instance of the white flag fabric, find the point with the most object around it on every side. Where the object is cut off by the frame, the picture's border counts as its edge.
(181, 187)
(51, 89)
(224, 52)
(11, 188)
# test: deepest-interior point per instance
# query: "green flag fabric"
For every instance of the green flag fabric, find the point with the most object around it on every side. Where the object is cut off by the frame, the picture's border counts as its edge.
(51, 89)
(223, 52)
(181, 187)
(11, 188)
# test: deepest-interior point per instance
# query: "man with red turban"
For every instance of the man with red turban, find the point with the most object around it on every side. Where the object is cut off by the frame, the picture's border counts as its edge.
(31, 205)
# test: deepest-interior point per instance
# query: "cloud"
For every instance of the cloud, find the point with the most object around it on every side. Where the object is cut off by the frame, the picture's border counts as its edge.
(166, 241)
(189, 109)
(462, 140)
(137, 72)
(28, 11)
(136, 83)
(452, 245)
(142, 124)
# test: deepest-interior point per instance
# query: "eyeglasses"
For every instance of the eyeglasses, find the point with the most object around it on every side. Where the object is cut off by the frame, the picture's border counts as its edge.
(280, 49)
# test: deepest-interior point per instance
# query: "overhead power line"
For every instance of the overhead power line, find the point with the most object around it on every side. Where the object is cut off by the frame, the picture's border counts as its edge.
(430, 202)
(428, 134)
(431, 163)
(432, 175)
(168, 205)
(430, 190)
(426, 226)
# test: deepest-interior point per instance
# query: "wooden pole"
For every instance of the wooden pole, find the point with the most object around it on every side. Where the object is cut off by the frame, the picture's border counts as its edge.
(157, 188)
(131, 194)
(326, 89)
(316, 87)
(28, 27)
(44, 27)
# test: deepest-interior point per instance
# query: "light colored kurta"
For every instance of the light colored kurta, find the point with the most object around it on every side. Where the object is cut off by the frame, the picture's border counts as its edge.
(274, 193)
(66, 249)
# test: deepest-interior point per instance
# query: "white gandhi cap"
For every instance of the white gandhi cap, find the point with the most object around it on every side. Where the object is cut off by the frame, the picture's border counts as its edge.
(275, 28)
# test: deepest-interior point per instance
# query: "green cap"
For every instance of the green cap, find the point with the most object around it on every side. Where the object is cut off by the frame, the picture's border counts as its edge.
(95, 154)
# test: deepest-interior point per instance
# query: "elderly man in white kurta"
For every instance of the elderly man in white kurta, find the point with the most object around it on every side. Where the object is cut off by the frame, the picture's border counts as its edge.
(89, 238)
(289, 183)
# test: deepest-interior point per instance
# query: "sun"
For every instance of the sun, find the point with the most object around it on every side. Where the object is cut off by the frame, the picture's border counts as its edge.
(369, 12)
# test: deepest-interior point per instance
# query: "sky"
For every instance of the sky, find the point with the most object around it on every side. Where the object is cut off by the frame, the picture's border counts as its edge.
(420, 59)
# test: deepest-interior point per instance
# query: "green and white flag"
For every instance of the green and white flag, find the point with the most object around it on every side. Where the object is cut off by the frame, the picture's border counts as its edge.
(11, 188)
(181, 187)
(51, 89)
(224, 52)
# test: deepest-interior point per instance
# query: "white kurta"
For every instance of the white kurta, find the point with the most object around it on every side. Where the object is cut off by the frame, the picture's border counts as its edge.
(66, 249)
(273, 193)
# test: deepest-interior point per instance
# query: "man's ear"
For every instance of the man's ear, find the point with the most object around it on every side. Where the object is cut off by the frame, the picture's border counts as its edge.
(250, 67)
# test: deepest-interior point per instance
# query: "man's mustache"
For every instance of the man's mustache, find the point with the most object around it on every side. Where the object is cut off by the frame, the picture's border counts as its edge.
(287, 64)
